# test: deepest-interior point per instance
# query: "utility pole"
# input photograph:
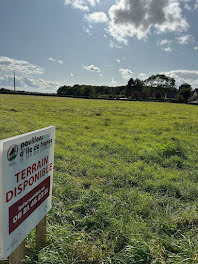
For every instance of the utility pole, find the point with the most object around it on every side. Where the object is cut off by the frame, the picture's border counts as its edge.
(14, 82)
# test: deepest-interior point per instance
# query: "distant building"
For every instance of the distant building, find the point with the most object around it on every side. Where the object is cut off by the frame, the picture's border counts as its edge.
(171, 95)
(195, 92)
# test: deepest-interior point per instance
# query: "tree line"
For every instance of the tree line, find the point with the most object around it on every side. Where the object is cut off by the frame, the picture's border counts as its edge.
(154, 87)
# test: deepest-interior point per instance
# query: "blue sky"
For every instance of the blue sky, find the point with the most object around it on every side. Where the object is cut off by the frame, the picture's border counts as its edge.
(54, 42)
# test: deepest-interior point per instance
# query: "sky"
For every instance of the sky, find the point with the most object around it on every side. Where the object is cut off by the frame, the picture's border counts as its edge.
(50, 43)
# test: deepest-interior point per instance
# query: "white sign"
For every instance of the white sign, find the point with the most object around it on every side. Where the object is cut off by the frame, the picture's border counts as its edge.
(26, 173)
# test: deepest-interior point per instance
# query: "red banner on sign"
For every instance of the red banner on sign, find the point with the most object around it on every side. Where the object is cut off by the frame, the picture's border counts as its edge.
(19, 211)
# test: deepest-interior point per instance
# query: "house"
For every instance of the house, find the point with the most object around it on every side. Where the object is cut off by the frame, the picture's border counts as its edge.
(171, 95)
(195, 92)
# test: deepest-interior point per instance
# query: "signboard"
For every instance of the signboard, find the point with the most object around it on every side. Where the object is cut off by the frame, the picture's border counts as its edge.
(26, 173)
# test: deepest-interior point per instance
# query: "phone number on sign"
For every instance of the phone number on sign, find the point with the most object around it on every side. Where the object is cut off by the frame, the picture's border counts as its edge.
(19, 211)
(27, 208)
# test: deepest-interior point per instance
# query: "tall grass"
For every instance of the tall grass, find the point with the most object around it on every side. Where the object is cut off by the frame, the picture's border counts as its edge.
(125, 179)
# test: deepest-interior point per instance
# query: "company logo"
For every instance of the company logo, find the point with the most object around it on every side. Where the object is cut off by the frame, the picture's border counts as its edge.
(12, 152)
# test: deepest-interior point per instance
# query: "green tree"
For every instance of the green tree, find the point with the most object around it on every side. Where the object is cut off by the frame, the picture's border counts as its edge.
(129, 87)
(185, 86)
(185, 92)
(160, 81)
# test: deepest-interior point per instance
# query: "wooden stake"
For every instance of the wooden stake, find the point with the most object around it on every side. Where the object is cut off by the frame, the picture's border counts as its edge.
(41, 234)
(17, 257)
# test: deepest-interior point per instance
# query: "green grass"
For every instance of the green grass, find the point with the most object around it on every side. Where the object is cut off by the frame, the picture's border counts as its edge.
(125, 179)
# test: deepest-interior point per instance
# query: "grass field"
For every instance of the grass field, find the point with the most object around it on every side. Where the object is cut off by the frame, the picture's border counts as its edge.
(125, 179)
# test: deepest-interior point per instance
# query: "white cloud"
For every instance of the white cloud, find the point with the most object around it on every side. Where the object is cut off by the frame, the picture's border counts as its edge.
(20, 66)
(55, 60)
(165, 45)
(187, 7)
(186, 4)
(51, 59)
(29, 84)
(142, 76)
(60, 61)
(182, 76)
(24, 72)
(184, 39)
(96, 17)
(196, 5)
(129, 18)
(71, 75)
(113, 44)
(7, 81)
(126, 73)
(91, 68)
(118, 60)
(189, 4)
(81, 4)
(195, 48)
(167, 49)
(164, 42)
(87, 30)
(113, 82)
